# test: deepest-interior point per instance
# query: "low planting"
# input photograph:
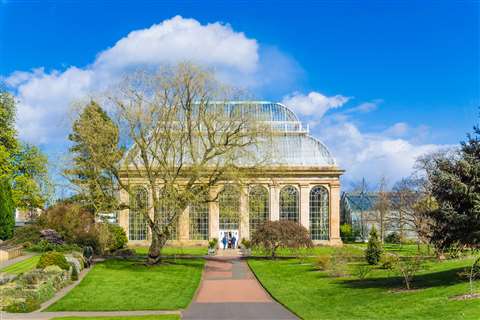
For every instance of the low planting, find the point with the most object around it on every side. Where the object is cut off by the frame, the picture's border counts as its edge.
(131, 285)
(314, 289)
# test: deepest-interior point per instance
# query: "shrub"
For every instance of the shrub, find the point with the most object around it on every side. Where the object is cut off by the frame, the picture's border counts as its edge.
(74, 276)
(374, 248)
(247, 244)
(29, 305)
(339, 261)
(323, 263)
(7, 210)
(346, 232)
(393, 238)
(408, 267)
(388, 261)
(29, 233)
(119, 237)
(272, 235)
(125, 252)
(53, 258)
(212, 244)
(362, 271)
(45, 246)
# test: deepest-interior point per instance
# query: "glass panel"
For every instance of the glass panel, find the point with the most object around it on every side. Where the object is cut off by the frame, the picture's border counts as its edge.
(258, 203)
(319, 213)
(229, 205)
(137, 223)
(166, 220)
(199, 221)
(289, 204)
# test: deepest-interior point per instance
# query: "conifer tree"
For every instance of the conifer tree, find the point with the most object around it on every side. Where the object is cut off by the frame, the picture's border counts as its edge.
(374, 248)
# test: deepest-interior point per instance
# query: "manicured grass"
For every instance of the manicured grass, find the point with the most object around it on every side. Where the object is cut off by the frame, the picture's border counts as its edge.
(179, 251)
(22, 266)
(312, 294)
(155, 317)
(315, 251)
(400, 249)
(132, 285)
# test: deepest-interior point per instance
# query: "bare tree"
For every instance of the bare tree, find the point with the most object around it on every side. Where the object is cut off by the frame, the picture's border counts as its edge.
(184, 138)
(382, 214)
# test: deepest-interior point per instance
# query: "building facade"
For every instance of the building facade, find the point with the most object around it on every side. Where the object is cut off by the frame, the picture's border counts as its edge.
(300, 183)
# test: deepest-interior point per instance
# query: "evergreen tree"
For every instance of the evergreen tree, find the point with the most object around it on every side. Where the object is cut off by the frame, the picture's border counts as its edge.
(7, 210)
(455, 183)
(374, 248)
(95, 149)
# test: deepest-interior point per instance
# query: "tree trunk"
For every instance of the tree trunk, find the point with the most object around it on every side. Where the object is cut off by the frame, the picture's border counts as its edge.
(155, 250)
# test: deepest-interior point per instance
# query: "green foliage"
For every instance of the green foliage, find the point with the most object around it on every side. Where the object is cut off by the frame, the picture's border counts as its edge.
(27, 235)
(455, 184)
(119, 237)
(323, 262)
(362, 271)
(374, 248)
(346, 232)
(212, 244)
(29, 305)
(394, 238)
(45, 246)
(74, 276)
(7, 211)
(273, 235)
(247, 244)
(95, 149)
(388, 261)
(53, 258)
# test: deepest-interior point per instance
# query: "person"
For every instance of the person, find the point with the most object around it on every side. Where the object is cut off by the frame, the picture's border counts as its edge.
(88, 255)
(229, 240)
(224, 241)
(234, 241)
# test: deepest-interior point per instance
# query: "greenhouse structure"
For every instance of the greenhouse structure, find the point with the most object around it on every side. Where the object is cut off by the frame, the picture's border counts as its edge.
(301, 184)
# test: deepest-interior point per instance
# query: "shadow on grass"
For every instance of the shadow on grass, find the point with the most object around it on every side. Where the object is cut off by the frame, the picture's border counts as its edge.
(423, 281)
(138, 264)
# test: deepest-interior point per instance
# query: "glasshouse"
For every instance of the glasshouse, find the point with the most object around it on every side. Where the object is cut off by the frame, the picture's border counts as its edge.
(300, 183)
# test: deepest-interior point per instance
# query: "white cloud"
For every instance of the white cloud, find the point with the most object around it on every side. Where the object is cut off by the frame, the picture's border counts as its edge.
(366, 107)
(372, 154)
(313, 104)
(45, 97)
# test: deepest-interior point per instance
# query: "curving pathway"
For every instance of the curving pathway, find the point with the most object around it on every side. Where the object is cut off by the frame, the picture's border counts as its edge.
(230, 291)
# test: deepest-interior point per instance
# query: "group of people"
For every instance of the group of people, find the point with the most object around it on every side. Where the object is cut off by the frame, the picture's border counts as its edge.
(229, 241)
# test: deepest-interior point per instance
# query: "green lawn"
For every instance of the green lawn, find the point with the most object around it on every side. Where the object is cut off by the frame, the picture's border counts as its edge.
(400, 249)
(22, 266)
(131, 285)
(179, 251)
(312, 294)
(155, 317)
(315, 251)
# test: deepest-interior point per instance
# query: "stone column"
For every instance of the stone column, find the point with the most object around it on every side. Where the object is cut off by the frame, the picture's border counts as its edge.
(123, 214)
(305, 205)
(213, 214)
(335, 214)
(274, 202)
(184, 225)
(244, 215)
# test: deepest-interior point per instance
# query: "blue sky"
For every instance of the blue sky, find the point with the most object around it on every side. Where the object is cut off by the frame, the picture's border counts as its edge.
(409, 71)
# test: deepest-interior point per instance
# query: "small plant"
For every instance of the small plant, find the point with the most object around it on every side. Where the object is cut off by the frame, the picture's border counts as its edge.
(346, 232)
(74, 276)
(374, 248)
(323, 263)
(53, 258)
(388, 261)
(393, 238)
(408, 267)
(362, 271)
(247, 244)
(212, 244)
(29, 305)
(119, 237)
(339, 261)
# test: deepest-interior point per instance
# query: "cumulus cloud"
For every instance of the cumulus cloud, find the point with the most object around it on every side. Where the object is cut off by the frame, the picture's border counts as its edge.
(372, 154)
(45, 97)
(313, 104)
(366, 107)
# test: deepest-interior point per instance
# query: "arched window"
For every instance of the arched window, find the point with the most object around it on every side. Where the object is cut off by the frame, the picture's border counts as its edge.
(229, 206)
(289, 203)
(137, 222)
(258, 205)
(319, 213)
(199, 221)
(166, 216)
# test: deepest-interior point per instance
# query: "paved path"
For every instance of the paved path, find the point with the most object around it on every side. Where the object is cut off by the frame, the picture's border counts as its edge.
(7, 263)
(230, 291)
(50, 315)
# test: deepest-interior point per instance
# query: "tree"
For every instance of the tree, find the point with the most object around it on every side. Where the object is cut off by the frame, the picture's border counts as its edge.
(374, 248)
(455, 183)
(273, 235)
(7, 210)
(382, 209)
(184, 137)
(23, 165)
(95, 147)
